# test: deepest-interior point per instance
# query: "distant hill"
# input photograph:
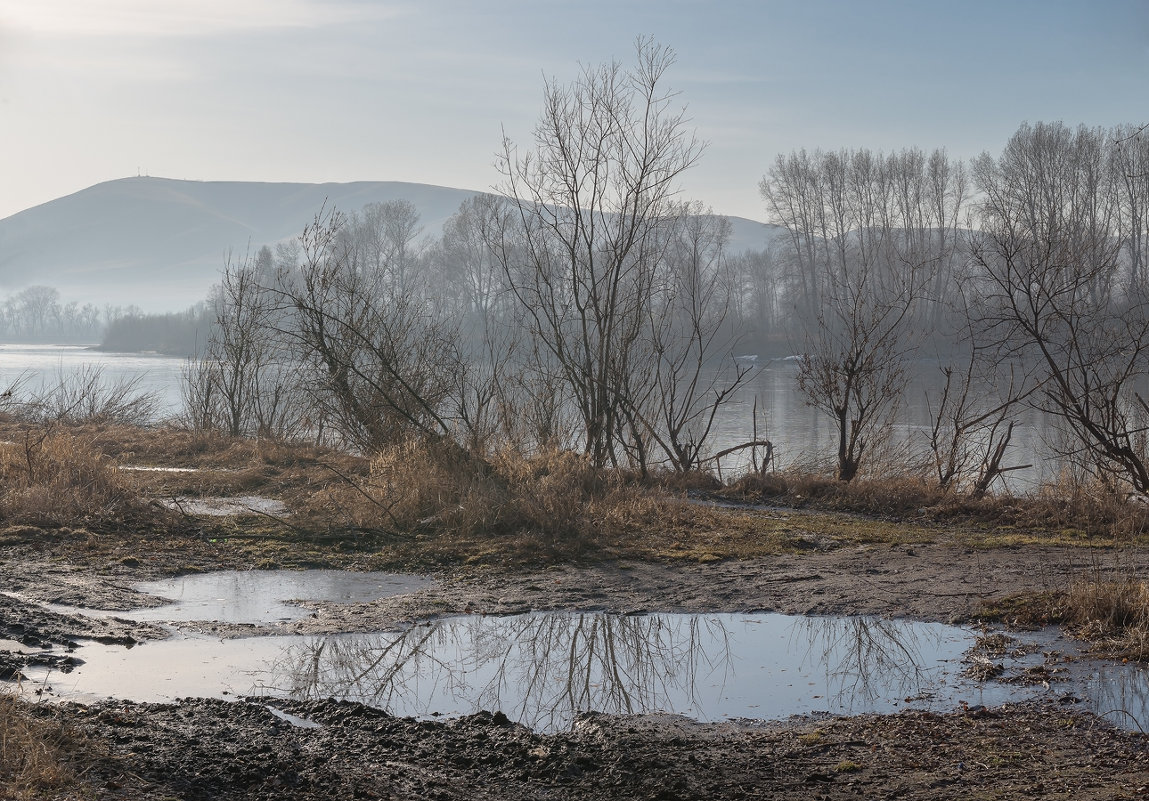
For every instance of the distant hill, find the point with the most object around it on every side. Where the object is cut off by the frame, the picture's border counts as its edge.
(160, 243)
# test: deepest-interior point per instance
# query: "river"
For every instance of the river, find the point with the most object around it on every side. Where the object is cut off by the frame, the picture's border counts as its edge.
(40, 367)
(802, 436)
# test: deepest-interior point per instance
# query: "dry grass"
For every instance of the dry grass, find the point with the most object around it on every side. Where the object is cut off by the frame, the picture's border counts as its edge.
(1067, 513)
(897, 496)
(62, 479)
(1026, 610)
(431, 491)
(40, 754)
(219, 465)
(421, 503)
(1113, 612)
(446, 508)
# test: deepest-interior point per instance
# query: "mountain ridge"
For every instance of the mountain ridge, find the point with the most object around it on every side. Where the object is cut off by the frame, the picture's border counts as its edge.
(160, 243)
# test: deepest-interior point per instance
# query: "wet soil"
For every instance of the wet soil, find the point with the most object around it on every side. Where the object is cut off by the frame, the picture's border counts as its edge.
(203, 749)
(215, 749)
(930, 582)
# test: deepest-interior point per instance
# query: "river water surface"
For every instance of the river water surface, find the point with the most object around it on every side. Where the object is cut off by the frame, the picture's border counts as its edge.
(800, 434)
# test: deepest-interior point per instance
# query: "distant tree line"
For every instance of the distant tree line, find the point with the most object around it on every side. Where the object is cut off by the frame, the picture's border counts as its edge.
(36, 314)
(171, 333)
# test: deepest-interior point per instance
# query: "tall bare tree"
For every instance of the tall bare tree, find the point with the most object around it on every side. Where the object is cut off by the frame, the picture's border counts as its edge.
(466, 257)
(1130, 169)
(593, 197)
(244, 381)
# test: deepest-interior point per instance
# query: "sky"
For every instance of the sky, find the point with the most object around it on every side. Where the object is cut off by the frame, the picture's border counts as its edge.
(351, 90)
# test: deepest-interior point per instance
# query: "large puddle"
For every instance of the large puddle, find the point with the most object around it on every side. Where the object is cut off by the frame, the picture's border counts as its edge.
(542, 669)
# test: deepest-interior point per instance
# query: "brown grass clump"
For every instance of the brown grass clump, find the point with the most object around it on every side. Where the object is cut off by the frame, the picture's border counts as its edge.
(38, 755)
(61, 479)
(550, 505)
(437, 488)
(1027, 609)
(1114, 612)
(1068, 512)
(888, 496)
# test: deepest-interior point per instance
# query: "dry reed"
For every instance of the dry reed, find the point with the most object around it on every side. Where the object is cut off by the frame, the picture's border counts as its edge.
(39, 754)
(1113, 612)
(61, 479)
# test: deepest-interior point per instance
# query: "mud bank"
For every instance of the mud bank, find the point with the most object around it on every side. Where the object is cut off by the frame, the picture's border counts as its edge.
(200, 749)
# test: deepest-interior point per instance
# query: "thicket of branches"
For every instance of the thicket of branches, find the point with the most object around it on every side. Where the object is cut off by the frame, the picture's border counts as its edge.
(585, 308)
(1023, 273)
(588, 306)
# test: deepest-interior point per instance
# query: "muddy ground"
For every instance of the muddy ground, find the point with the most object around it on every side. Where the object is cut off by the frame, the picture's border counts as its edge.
(213, 749)
(933, 582)
(205, 749)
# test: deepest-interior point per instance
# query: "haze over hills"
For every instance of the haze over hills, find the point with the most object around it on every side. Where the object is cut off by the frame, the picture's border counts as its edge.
(160, 243)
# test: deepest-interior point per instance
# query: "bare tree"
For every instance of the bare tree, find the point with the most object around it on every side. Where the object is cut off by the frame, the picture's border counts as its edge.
(687, 388)
(854, 367)
(384, 238)
(378, 362)
(234, 349)
(1130, 170)
(757, 300)
(593, 197)
(867, 236)
(1048, 253)
(971, 428)
(794, 198)
(466, 258)
(244, 382)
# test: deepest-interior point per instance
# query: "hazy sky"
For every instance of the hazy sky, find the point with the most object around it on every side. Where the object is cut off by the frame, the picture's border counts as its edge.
(344, 90)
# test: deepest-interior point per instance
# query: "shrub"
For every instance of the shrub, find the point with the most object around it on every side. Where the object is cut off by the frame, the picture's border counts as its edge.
(88, 396)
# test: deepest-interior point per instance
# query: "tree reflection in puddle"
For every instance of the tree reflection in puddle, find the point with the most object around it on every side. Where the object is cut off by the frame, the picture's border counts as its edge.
(540, 669)
(1120, 694)
(867, 658)
(543, 669)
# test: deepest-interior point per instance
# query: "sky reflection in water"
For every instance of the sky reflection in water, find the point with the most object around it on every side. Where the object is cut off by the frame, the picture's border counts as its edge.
(542, 669)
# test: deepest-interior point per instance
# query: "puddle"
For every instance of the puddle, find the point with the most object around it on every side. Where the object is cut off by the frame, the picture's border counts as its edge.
(146, 469)
(227, 507)
(542, 669)
(257, 596)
